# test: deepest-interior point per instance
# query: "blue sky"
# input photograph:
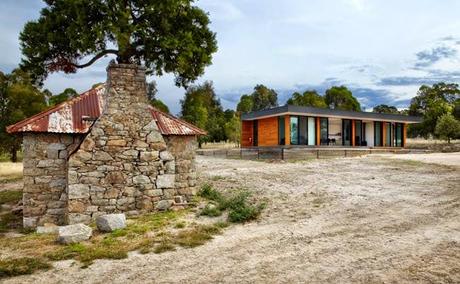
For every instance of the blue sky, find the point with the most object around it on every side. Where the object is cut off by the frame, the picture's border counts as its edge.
(381, 49)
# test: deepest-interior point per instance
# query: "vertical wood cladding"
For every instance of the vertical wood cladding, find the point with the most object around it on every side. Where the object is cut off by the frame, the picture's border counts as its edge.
(287, 129)
(246, 133)
(353, 132)
(268, 131)
(318, 131)
(384, 134)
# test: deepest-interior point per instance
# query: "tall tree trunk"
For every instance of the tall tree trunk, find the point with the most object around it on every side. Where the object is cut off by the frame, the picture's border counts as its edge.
(14, 154)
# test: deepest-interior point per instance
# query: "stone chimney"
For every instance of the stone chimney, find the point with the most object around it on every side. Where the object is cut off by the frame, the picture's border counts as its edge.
(122, 165)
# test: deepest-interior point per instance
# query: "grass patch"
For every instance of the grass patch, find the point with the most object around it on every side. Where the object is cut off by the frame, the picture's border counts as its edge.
(197, 236)
(21, 266)
(10, 221)
(10, 196)
(240, 208)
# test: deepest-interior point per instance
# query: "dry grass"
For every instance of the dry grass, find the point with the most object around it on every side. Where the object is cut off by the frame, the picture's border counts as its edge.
(149, 233)
(422, 141)
(10, 172)
(219, 145)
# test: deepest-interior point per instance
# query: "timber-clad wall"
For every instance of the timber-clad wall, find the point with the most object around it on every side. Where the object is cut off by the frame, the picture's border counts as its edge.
(268, 131)
(246, 133)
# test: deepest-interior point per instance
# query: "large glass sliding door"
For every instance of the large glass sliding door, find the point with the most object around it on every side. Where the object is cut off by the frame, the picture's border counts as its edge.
(311, 137)
(358, 132)
(303, 130)
(378, 134)
(324, 130)
(294, 130)
(388, 134)
(399, 135)
(346, 132)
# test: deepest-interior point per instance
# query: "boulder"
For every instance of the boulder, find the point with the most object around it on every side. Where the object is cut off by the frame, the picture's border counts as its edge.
(163, 205)
(111, 222)
(74, 233)
(48, 229)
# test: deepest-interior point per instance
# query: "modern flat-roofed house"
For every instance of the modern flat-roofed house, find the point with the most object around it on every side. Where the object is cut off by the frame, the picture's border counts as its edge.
(291, 125)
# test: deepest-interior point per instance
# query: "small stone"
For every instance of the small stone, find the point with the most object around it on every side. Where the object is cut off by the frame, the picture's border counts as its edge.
(154, 136)
(149, 156)
(29, 222)
(118, 142)
(102, 156)
(165, 181)
(141, 179)
(151, 126)
(163, 205)
(88, 144)
(132, 153)
(74, 233)
(111, 222)
(166, 156)
(82, 156)
(78, 191)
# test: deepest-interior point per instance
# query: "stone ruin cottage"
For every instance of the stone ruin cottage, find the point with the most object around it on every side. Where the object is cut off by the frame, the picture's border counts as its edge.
(105, 151)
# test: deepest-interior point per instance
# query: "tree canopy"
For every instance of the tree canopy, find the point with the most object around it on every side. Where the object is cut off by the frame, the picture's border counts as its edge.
(447, 127)
(19, 99)
(341, 98)
(308, 98)
(62, 97)
(202, 107)
(261, 98)
(169, 36)
(152, 96)
(431, 103)
(385, 109)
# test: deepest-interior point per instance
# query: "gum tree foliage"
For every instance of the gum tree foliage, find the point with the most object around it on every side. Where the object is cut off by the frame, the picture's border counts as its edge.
(308, 98)
(447, 127)
(385, 109)
(19, 99)
(169, 36)
(341, 98)
(261, 98)
(202, 107)
(62, 97)
(245, 104)
(264, 98)
(432, 102)
(152, 96)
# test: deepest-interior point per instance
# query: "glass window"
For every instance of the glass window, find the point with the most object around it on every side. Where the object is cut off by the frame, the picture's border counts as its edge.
(311, 131)
(281, 131)
(324, 125)
(399, 134)
(358, 133)
(303, 130)
(346, 132)
(388, 135)
(377, 133)
(294, 130)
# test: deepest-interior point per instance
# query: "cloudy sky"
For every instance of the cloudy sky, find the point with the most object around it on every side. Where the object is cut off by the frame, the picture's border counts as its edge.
(381, 49)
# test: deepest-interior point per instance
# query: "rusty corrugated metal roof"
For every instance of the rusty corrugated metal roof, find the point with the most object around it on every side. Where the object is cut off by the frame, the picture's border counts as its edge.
(77, 114)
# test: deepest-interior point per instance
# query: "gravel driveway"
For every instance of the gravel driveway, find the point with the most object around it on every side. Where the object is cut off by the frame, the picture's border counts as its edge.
(361, 220)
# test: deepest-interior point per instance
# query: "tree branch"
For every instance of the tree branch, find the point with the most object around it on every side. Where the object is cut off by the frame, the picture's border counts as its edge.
(99, 55)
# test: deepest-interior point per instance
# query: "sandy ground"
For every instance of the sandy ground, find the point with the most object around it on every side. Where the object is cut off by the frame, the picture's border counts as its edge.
(452, 159)
(356, 220)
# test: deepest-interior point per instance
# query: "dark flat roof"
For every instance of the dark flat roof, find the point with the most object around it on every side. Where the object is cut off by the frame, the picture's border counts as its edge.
(325, 112)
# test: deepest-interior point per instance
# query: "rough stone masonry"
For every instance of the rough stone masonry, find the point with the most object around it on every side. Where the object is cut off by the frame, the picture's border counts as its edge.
(123, 165)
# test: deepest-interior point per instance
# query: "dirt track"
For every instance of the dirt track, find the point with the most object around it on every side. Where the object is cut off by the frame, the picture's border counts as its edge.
(365, 220)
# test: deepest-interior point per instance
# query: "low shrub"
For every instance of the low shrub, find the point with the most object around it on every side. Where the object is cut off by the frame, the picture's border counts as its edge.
(21, 266)
(240, 208)
(210, 193)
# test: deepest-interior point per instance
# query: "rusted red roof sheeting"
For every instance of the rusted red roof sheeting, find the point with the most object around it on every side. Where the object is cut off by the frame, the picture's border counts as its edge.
(76, 116)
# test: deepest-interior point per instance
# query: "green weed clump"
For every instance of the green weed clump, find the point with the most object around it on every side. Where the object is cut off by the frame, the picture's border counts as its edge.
(240, 208)
(21, 266)
(10, 196)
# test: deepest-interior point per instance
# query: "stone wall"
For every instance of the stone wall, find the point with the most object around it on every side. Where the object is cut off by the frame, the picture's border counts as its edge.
(45, 177)
(183, 149)
(123, 164)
